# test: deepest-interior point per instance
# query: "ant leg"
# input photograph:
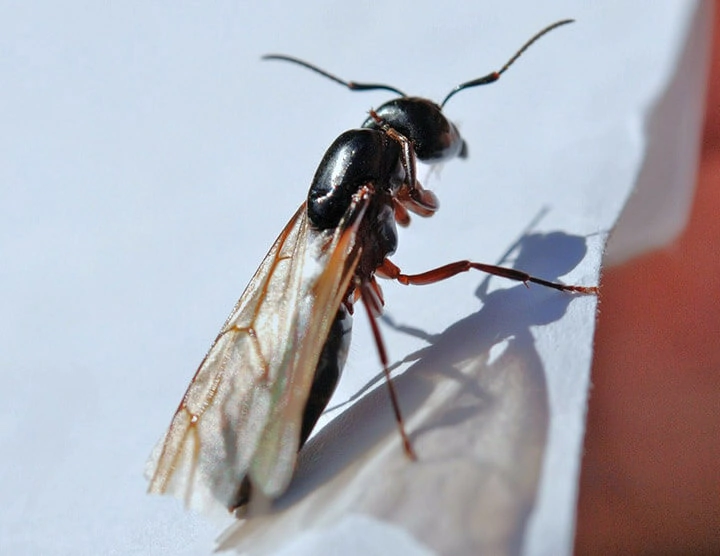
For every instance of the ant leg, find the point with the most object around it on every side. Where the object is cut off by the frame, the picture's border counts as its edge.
(373, 306)
(390, 270)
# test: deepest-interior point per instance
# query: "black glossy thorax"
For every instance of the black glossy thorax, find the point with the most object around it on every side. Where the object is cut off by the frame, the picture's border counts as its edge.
(356, 158)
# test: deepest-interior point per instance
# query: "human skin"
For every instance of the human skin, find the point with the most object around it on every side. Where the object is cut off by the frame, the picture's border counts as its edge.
(650, 481)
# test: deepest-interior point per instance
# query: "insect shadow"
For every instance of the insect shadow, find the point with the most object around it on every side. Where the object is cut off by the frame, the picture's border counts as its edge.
(482, 377)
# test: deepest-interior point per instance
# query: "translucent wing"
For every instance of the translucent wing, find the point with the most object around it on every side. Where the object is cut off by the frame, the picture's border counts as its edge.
(242, 412)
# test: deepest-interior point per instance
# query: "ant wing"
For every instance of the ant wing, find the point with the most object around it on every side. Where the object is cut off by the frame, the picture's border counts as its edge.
(242, 412)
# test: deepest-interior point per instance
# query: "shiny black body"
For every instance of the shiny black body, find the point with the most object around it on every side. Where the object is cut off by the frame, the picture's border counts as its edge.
(371, 155)
(357, 157)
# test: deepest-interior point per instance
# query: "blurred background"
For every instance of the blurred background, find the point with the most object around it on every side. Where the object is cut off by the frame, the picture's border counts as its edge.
(650, 481)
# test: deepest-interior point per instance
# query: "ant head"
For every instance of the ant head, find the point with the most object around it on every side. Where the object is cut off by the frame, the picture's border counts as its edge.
(434, 137)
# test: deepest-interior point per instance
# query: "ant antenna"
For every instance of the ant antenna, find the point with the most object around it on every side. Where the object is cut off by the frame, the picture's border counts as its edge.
(494, 76)
(352, 85)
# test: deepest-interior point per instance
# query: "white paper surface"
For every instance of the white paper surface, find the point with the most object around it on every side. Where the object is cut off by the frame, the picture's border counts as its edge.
(148, 161)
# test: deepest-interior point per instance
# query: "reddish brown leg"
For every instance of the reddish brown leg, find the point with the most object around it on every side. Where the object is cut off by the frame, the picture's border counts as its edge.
(389, 270)
(370, 302)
